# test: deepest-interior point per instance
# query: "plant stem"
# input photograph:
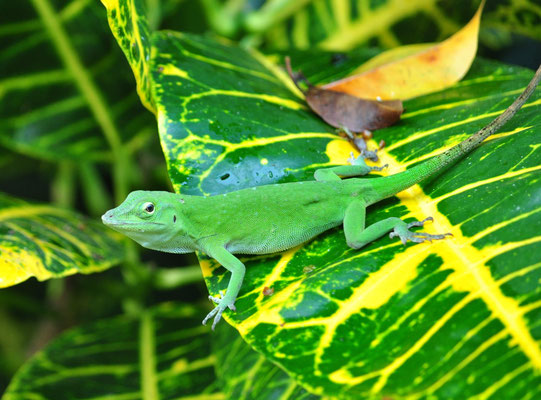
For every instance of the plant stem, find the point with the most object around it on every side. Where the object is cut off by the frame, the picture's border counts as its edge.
(90, 92)
(63, 186)
(175, 277)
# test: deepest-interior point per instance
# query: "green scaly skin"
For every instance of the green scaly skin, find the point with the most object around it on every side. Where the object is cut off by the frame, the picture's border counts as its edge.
(273, 218)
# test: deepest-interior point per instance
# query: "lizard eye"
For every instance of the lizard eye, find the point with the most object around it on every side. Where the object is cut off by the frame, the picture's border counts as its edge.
(148, 207)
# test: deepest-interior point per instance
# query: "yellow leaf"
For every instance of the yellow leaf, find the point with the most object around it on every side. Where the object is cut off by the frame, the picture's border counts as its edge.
(392, 55)
(426, 71)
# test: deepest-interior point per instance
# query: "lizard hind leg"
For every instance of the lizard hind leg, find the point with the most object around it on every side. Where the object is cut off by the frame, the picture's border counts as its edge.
(403, 232)
(358, 236)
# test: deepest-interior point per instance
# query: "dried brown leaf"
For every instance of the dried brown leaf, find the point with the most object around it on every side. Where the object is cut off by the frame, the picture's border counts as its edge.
(342, 110)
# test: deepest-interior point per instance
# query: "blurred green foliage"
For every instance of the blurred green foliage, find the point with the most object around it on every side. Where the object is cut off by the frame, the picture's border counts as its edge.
(73, 132)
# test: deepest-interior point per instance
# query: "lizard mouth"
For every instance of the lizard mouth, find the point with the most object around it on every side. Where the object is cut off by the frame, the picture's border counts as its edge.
(131, 226)
(133, 223)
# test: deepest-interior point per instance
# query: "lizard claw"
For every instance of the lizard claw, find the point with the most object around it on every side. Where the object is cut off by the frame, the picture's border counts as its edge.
(217, 312)
(379, 168)
(214, 299)
(361, 161)
(369, 154)
(402, 231)
(420, 223)
(217, 299)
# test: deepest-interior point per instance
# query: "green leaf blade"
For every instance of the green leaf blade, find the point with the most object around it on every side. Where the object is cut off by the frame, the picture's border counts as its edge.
(129, 24)
(49, 242)
(425, 320)
(78, 100)
(410, 322)
(215, 113)
(163, 353)
(245, 374)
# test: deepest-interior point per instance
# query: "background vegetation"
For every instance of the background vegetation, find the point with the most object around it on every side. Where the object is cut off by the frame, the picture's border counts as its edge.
(74, 135)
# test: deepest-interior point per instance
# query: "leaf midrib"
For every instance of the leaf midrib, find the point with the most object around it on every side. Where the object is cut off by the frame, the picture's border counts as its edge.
(473, 261)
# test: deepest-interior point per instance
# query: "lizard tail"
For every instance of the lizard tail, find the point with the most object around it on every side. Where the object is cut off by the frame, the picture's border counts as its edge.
(390, 185)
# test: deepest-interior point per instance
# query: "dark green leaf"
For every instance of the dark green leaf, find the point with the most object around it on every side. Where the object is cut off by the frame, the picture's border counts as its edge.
(162, 354)
(246, 375)
(78, 99)
(385, 320)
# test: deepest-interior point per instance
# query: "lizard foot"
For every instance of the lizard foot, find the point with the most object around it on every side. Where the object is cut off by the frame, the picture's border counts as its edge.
(403, 232)
(223, 304)
(372, 155)
(361, 161)
(217, 299)
(360, 143)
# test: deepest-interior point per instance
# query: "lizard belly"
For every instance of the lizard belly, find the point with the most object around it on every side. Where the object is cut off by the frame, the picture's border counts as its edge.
(273, 243)
(269, 219)
(281, 235)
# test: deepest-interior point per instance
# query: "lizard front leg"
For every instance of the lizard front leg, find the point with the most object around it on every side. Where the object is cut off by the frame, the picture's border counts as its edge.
(358, 167)
(358, 236)
(237, 268)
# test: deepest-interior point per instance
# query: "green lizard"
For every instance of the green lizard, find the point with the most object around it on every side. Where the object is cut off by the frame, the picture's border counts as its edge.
(273, 218)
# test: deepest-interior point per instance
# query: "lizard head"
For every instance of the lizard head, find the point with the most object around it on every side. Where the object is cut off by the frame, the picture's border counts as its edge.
(148, 217)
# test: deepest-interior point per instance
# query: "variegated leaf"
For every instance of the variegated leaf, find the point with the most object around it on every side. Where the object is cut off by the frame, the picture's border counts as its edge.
(129, 24)
(245, 374)
(379, 321)
(162, 354)
(227, 118)
(45, 242)
(455, 317)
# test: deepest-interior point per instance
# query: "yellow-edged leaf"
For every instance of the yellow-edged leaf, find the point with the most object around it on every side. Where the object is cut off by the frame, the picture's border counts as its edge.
(414, 322)
(424, 72)
(46, 242)
(129, 25)
(455, 318)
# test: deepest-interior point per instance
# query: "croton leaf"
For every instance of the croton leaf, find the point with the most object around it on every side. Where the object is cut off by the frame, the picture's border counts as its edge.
(49, 242)
(162, 354)
(78, 96)
(129, 24)
(227, 120)
(457, 316)
(245, 374)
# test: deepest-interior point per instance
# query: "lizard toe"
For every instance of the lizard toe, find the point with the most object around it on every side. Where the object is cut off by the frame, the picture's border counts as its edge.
(403, 232)
(210, 315)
